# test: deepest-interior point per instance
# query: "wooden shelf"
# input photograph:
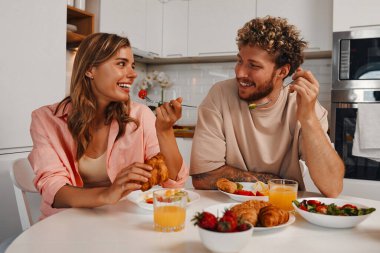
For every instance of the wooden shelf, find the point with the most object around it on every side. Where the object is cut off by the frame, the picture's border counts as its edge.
(83, 20)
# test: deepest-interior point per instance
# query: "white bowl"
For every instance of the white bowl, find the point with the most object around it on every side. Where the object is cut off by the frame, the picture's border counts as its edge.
(225, 242)
(332, 221)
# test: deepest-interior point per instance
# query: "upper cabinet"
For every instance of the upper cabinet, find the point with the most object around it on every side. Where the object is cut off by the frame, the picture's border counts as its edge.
(84, 23)
(352, 14)
(175, 33)
(213, 25)
(312, 17)
(139, 20)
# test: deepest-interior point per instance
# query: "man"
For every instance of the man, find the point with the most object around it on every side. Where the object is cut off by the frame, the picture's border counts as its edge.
(254, 127)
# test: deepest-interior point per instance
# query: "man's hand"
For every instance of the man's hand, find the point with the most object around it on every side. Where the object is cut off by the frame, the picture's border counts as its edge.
(307, 88)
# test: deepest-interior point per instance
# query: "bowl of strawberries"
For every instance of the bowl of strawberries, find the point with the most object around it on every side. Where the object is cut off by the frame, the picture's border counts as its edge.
(223, 234)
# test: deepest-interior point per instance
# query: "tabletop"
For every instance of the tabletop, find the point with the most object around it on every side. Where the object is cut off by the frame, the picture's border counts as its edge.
(125, 227)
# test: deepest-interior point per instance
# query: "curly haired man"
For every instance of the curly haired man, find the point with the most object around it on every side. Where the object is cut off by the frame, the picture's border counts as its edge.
(254, 127)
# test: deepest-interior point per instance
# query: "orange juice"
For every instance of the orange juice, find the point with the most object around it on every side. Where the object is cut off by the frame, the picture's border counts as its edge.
(282, 196)
(169, 218)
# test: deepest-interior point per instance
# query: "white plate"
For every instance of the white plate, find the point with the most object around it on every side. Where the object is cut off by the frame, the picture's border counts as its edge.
(218, 211)
(139, 197)
(241, 198)
(332, 221)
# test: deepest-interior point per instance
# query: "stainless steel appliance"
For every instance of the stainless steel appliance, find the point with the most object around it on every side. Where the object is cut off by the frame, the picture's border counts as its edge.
(356, 59)
(356, 79)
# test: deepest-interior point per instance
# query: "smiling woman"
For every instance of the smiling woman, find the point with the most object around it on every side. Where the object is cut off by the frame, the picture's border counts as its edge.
(76, 167)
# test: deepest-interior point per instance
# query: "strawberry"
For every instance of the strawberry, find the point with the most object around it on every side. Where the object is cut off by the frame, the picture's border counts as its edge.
(227, 223)
(244, 192)
(142, 94)
(259, 194)
(205, 220)
(243, 227)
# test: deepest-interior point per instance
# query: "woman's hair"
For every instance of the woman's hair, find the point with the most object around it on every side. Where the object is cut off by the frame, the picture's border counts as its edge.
(94, 50)
(275, 36)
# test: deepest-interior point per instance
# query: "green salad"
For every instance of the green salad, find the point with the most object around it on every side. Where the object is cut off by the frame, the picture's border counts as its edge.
(315, 206)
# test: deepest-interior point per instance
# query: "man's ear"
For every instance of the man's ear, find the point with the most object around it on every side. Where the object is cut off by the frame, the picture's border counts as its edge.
(284, 71)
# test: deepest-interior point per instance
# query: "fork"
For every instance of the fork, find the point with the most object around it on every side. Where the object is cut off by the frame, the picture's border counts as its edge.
(156, 102)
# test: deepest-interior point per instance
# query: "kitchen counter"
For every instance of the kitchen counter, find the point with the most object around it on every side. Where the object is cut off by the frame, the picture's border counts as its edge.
(184, 131)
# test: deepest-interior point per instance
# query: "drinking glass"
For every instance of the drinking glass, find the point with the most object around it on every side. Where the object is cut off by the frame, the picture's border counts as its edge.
(282, 192)
(169, 209)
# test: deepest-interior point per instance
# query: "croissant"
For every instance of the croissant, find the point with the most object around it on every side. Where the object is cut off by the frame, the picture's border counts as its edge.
(249, 210)
(270, 216)
(159, 174)
(226, 185)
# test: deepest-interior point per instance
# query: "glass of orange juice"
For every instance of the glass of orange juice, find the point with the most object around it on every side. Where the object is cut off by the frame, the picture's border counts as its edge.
(169, 209)
(282, 192)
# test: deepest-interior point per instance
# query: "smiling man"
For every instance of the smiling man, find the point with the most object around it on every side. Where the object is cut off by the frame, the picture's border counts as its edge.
(254, 127)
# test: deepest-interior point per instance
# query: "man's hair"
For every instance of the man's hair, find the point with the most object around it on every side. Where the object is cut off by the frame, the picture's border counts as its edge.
(277, 37)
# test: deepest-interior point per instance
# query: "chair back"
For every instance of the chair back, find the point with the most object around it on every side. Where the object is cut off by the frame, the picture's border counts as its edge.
(22, 176)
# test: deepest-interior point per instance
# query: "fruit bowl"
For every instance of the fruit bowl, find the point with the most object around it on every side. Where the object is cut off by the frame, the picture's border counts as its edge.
(225, 242)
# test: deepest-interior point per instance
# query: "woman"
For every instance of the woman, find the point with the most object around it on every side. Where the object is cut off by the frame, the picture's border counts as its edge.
(89, 149)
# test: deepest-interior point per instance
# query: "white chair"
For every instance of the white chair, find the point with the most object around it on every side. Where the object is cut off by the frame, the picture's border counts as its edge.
(22, 176)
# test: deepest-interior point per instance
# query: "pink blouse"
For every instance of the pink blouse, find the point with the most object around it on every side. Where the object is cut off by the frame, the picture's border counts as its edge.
(54, 151)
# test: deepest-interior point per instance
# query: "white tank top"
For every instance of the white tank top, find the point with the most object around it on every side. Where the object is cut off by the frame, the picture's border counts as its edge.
(93, 171)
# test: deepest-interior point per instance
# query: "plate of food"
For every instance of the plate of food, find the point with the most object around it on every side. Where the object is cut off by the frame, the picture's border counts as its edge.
(332, 213)
(145, 199)
(261, 214)
(243, 191)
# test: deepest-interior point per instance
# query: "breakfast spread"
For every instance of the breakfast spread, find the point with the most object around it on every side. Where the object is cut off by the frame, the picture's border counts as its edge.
(315, 206)
(159, 172)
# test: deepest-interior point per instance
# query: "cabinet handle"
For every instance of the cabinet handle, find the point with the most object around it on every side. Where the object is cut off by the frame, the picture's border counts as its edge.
(364, 26)
(218, 53)
(174, 55)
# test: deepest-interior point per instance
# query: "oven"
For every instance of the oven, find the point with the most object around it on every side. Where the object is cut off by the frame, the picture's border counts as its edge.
(343, 122)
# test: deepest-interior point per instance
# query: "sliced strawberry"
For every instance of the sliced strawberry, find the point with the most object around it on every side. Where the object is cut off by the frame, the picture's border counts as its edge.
(259, 194)
(321, 209)
(149, 200)
(244, 192)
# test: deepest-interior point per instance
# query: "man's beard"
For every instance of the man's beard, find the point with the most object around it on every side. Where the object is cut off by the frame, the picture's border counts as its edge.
(260, 93)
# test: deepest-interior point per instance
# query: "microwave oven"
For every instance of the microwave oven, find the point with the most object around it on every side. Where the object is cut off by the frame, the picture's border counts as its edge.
(356, 59)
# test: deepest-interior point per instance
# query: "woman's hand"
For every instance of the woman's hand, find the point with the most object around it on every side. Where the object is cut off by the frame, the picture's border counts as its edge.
(307, 88)
(129, 179)
(168, 114)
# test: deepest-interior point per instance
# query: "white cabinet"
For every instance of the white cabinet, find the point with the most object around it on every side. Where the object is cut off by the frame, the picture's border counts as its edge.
(154, 12)
(139, 20)
(213, 25)
(312, 17)
(175, 32)
(351, 14)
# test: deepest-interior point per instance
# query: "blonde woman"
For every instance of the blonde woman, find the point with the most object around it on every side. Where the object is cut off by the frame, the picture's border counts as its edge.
(89, 149)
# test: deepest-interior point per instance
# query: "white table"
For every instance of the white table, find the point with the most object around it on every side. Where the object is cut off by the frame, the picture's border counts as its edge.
(125, 227)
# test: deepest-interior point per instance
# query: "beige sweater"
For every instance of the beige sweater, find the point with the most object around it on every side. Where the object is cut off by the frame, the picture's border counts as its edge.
(260, 140)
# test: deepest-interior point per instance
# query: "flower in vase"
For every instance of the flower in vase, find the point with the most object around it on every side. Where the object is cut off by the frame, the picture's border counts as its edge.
(152, 79)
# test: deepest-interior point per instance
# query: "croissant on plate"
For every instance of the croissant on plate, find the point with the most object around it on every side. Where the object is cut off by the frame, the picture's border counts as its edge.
(249, 210)
(271, 216)
(226, 185)
(159, 172)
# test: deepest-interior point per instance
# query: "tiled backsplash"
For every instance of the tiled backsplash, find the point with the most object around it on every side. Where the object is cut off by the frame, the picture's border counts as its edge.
(193, 81)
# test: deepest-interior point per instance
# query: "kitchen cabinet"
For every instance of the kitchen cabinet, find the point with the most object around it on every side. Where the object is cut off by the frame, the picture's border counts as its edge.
(353, 14)
(312, 17)
(175, 32)
(84, 22)
(213, 25)
(125, 18)
(139, 20)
